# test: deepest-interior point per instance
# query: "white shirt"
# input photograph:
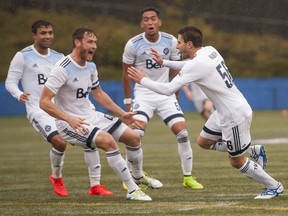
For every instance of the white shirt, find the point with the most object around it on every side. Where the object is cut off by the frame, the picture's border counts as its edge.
(71, 84)
(137, 52)
(31, 69)
(208, 70)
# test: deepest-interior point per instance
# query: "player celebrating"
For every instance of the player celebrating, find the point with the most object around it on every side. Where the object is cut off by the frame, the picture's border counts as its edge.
(233, 115)
(32, 66)
(147, 102)
(70, 83)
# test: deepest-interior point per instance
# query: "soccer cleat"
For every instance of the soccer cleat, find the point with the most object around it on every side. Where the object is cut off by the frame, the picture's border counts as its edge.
(58, 186)
(190, 182)
(149, 182)
(269, 193)
(124, 186)
(138, 195)
(99, 190)
(259, 155)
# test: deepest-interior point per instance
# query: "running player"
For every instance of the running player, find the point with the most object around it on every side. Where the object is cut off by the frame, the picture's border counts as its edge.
(70, 83)
(31, 66)
(233, 115)
(146, 102)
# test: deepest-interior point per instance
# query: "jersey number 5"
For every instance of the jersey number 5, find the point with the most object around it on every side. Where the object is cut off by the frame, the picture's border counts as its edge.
(224, 73)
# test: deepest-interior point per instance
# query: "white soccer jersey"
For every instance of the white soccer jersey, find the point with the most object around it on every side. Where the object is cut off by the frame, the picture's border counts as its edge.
(72, 84)
(208, 70)
(137, 52)
(32, 69)
(198, 96)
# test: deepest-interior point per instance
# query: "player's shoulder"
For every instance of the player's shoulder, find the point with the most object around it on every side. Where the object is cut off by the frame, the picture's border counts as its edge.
(167, 35)
(27, 49)
(137, 38)
(64, 62)
(54, 52)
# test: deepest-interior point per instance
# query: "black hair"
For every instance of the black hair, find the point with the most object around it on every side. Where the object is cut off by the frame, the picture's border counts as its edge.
(37, 24)
(192, 33)
(150, 9)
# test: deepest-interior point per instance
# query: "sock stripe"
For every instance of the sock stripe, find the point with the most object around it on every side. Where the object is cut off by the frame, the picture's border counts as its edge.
(114, 153)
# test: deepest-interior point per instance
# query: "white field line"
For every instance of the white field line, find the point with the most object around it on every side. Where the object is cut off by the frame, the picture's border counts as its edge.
(283, 140)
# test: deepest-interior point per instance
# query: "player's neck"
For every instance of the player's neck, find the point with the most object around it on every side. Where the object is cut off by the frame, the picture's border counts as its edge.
(42, 51)
(152, 37)
(77, 58)
(193, 53)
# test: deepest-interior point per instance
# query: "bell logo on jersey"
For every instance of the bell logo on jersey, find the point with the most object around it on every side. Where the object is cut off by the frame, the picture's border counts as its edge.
(150, 64)
(41, 79)
(81, 93)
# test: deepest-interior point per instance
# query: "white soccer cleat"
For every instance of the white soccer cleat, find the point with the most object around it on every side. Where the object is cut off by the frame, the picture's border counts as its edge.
(149, 182)
(259, 155)
(138, 195)
(269, 193)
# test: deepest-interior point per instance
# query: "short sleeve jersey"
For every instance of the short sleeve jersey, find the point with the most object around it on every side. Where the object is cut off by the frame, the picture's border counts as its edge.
(32, 69)
(72, 84)
(137, 53)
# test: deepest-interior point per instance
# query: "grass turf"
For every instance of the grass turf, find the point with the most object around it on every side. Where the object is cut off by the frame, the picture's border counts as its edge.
(25, 188)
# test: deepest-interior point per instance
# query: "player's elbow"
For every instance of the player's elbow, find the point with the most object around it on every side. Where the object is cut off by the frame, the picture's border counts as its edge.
(43, 104)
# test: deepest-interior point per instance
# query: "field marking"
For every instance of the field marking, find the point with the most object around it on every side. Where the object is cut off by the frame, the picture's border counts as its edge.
(233, 205)
(282, 140)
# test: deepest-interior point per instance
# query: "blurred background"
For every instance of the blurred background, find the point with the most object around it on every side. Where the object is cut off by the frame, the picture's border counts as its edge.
(250, 35)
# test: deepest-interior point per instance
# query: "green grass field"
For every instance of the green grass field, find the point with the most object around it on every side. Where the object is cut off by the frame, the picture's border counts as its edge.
(25, 188)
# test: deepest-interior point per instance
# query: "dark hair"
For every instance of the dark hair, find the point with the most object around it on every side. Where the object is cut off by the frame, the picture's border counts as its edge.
(150, 9)
(191, 33)
(78, 34)
(37, 24)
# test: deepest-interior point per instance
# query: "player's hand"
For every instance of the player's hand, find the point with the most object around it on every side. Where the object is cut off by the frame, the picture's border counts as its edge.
(128, 118)
(24, 97)
(78, 124)
(157, 57)
(135, 74)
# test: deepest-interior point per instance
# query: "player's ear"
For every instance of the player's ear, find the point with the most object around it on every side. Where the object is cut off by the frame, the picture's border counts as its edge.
(159, 23)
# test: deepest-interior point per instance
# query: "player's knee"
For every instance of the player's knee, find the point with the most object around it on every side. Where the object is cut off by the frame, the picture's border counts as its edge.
(141, 132)
(203, 143)
(134, 139)
(105, 142)
(58, 143)
(182, 136)
(237, 162)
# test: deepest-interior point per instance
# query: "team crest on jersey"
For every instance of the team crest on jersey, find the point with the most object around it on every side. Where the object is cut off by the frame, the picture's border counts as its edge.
(47, 128)
(166, 51)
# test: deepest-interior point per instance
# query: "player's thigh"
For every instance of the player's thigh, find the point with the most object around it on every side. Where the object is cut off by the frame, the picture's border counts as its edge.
(169, 110)
(45, 125)
(210, 133)
(238, 137)
(144, 109)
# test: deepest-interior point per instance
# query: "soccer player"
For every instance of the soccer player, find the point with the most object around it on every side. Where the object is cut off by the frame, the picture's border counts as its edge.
(70, 82)
(146, 102)
(31, 66)
(233, 115)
